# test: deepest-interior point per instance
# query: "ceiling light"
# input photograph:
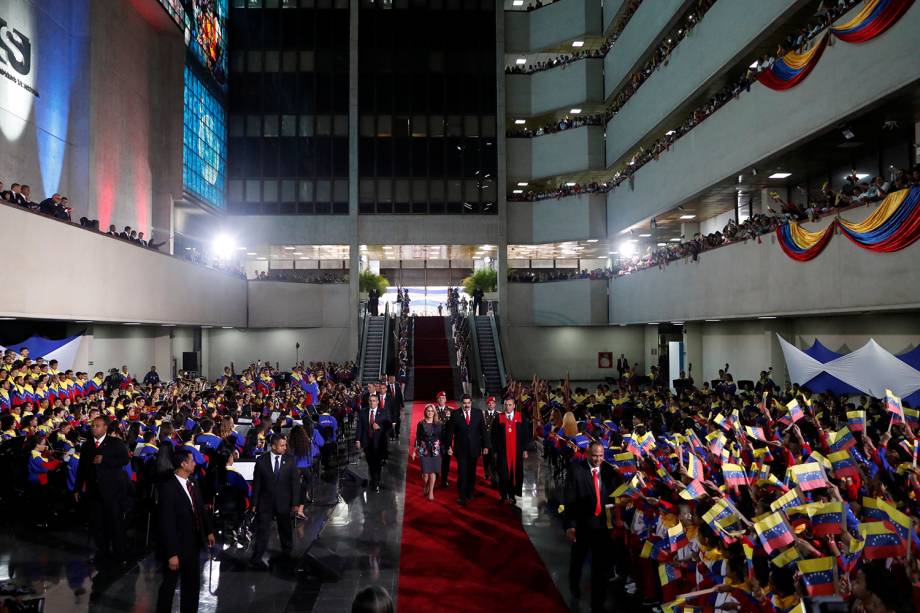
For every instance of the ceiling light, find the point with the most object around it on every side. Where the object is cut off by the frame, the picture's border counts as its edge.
(575, 111)
(518, 3)
(522, 184)
(861, 175)
(226, 327)
(517, 191)
(252, 253)
(662, 244)
(670, 133)
(131, 323)
(676, 239)
(571, 184)
(263, 259)
(290, 248)
(13, 318)
(520, 61)
(653, 323)
(627, 249)
(578, 43)
(767, 317)
(79, 321)
(780, 175)
(297, 253)
(241, 248)
(591, 240)
(713, 320)
(168, 325)
(677, 323)
(753, 66)
(206, 327)
(520, 122)
(688, 216)
(304, 258)
(646, 235)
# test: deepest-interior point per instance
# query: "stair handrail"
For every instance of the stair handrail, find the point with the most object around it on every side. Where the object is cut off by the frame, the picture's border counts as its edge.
(362, 343)
(385, 340)
(498, 352)
(477, 364)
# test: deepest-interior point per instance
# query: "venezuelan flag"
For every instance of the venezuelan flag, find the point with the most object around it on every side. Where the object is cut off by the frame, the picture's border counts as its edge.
(893, 405)
(897, 520)
(774, 532)
(693, 491)
(818, 575)
(791, 69)
(789, 499)
(912, 417)
(734, 475)
(626, 463)
(843, 464)
(694, 468)
(880, 541)
(677, 538)
(787, 557)
(875, 18)
(808, 476)
(756, 433)
(668, 573)
(841, 440)
(826, 518)
(856, 420)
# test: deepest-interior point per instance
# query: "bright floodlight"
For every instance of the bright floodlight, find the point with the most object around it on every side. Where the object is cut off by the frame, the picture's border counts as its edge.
(223, 246)
(627, 249)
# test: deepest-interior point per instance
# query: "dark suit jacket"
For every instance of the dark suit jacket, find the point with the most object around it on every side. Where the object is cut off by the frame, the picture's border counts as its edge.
(275, 495)
(178, 532)
(368, 437)
(107, 480)
(395, 391)
(468, 440)
(390, 405)
(580, 500)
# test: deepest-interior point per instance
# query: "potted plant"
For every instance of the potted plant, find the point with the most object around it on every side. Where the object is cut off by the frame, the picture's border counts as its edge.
(368, 280)
(485, 279)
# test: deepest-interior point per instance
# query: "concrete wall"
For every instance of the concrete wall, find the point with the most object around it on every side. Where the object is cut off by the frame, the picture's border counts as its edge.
(764, 122)
(276, 345)
(548, 221)
(64, 272)
(553, 24)
(651, 21)
(750, 279)
(572, 150)
(281, 304)
(727, 30)
(563, 87)
(43, 139)
(136, 88)
(575, 302)
(556, 351)
(611, 8)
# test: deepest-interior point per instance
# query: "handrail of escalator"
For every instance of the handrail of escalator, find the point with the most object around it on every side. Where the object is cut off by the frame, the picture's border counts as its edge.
(385, 340)
(477, 363)
(362, 344)
(498, 353)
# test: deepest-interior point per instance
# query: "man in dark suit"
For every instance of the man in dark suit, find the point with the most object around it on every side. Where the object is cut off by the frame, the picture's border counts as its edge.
(387, 404)
(395, 391)
(587, 488)
(275, 495)
(183, 528)
(511, 435)
(102, 482)
(371, 436)
(466, 441)
(489, 461)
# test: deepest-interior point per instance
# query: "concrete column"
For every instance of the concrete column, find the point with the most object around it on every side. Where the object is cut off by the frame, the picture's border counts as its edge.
(501, 177)
(689, 228)
(353, 252)
(693, 350)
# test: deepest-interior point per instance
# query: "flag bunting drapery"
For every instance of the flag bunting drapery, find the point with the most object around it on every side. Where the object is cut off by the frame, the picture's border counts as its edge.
(791, 69)
(801, 244)
(871, 21)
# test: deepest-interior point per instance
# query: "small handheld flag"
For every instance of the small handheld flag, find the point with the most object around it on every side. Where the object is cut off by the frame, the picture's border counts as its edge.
(809, 476)
(734, 475)
(893, 405)
(843, 464)
(818, 575)
(774, 532)
(856, 420)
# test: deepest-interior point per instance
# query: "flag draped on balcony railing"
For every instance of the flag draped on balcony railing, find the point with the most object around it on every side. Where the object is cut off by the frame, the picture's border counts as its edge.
(871, 21)
(801, 244)
(791, 69)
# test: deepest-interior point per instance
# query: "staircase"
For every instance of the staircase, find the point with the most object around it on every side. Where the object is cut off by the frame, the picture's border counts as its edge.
(373, 349)
(488, 356)
(433, 372)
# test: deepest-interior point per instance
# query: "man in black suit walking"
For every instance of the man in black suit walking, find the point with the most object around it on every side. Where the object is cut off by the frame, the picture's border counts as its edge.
(587, 488)
(275, 495)
(466, 440)
(102, 482)
(395, 391)
(183, 529)
(387, 405)
(371, 436)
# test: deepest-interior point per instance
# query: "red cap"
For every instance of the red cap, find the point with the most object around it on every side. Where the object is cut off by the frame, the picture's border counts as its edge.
(439, 394)
(490, 399)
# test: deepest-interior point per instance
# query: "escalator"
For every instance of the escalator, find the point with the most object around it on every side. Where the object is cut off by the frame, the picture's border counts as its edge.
(488, 350)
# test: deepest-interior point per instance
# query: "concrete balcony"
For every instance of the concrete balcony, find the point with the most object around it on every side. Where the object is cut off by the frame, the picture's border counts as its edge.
(558, 88)
(298, 305)
(611, 8)
(551, 25)
(579, 302)
(573, 150)
(647, 26)
(728, 30)
(763, 122)
(550, 221)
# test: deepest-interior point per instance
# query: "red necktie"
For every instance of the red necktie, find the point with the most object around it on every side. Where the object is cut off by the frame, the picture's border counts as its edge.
(372, 418)
(597, 493)
(467, 414)
(97, 444)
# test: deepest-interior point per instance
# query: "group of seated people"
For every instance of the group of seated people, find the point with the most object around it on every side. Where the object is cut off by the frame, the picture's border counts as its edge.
(744, 496)
(47, 415)
(798, 39)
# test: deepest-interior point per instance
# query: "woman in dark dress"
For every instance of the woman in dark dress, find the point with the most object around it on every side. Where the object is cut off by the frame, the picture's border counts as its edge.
(428, 449)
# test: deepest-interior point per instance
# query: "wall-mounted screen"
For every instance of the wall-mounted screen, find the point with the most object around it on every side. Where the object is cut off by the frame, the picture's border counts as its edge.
(204, 143)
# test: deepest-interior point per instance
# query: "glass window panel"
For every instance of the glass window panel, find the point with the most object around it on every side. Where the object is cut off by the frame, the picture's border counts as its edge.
(305, 126)
(307, 4)
(384, 190)
(271, 4)
(306, 191)
(437, 190)
(436, 126)
(236, 190)
(402, 190)
(254, 4)
(436, 61)
(340, 190)
(238, 61)
(488, 126)
(270, 191)
(289, 4)
(340, 127)
(455, 125)
(289, 61)
(419, 126)
(288, 191)
(239, 4)
(306, 61)
(471, 187)
(237, 125)
(471, 125)
(323, 125)
(384, 125)
(288, 125)
(254, 61)
(367, 125)
(272, 61)
(252, 191)
(270, 128)
(323, 191)
(420, 190)
(253, 125)
(366, 190)
(454, 191)
(401, 126)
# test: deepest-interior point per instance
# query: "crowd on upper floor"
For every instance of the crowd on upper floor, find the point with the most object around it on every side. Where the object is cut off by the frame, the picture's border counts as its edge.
(741, 495)
(559, 274)
(300, 275)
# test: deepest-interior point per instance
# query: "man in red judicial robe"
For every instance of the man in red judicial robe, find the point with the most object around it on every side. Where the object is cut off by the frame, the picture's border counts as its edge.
(510, 438)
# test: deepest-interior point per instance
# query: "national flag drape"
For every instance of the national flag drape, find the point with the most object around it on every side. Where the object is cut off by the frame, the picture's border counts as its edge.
(875, 17)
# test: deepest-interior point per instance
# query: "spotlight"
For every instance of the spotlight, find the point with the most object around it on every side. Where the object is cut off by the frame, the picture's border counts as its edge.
(848, 133)
(223, 246)
(627, 249)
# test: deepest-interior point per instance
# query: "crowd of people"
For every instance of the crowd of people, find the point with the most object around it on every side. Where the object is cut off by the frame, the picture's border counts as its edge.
(799, 39)
(300, 275)
(558, 274)
(563, 59)
(108, 441)
(460, 333)
(732, 495)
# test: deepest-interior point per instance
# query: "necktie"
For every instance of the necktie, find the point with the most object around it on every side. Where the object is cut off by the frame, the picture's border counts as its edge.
(97, 444)
(372, 418)
(277, 465)
(466, 414)
(597, 493)
(191, 494)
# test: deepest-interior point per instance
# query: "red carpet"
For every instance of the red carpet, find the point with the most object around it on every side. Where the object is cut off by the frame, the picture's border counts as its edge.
(473, 558)
(433, 372)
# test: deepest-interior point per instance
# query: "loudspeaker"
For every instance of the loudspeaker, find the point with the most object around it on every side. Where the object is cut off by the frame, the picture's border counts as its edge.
(357, 473)
(190, 360)
(322, 563)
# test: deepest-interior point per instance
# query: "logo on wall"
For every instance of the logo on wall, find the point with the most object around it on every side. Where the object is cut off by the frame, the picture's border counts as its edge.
(16, 53)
